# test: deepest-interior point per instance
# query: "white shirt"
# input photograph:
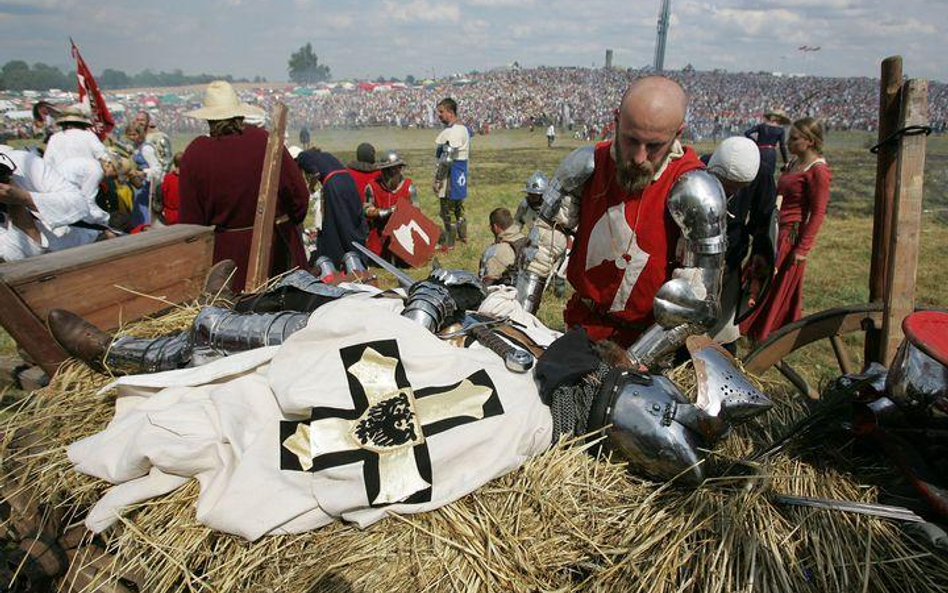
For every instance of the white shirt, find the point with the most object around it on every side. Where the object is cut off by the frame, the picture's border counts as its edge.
(58, 202)
(456, 136)
(86, 174)
(74, 143)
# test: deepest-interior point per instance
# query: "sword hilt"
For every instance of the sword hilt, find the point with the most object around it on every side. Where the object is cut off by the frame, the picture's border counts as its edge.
(516, 359)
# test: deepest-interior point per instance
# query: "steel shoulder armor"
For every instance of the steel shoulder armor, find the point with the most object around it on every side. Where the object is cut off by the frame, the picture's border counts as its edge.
(559, 213)
(690, 302)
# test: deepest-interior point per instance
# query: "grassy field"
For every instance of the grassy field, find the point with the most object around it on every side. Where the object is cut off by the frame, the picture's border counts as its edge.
(838, 267)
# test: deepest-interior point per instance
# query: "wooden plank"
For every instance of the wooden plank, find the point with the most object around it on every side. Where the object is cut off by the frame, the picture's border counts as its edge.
(93, 288)
(111, 317)
(28, 331)
(899, 298)
(258, 266)
(890, 87)
(95, 253)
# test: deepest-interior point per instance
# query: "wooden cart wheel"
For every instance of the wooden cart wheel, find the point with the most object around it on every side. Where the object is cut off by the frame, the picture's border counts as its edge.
(830, 325)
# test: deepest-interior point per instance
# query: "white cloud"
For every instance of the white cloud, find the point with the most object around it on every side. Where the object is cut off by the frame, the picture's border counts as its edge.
(755, 21)
(499, 2)
(421, 11)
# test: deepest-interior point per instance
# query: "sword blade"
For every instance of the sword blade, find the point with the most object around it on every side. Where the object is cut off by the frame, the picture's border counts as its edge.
(404, 279)
(847, 506)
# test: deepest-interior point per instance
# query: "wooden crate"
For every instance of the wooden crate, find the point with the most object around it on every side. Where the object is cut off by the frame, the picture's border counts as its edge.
(100, 282)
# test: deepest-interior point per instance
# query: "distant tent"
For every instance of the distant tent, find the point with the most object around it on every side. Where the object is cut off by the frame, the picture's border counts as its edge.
(303, 91)
(170, 99)
(19, 115)
(115, 107)
(366, 86)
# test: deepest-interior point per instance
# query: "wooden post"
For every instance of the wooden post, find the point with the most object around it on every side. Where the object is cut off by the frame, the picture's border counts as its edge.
(906, 219)
(890, 86)
(258, 267)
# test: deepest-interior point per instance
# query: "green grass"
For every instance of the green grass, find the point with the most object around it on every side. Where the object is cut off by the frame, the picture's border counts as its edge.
(838, 267)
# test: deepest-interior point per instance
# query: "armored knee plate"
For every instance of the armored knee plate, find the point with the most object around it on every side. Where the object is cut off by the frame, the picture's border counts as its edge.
(462, 229)
(429, 304)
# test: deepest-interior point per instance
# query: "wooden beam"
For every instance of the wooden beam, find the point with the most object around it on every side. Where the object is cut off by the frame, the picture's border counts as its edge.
(906, 218)
(258, 267)
(890, 87)
(29, 331)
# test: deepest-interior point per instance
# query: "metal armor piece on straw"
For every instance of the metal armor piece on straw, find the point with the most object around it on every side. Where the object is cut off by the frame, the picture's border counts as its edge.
(723, 390)
(219, 332)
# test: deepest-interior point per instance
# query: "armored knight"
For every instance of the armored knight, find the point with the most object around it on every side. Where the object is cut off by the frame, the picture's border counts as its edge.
(648, 227)
(452, 150)
(529, 208)
(645, 417)
(382, 196)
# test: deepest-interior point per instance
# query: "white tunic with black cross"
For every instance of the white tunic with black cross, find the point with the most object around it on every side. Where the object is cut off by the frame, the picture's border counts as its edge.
(360, 414)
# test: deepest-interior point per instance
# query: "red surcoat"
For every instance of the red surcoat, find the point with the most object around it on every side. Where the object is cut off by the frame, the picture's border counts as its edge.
(624, 250)
(362, 179)
(383, 198)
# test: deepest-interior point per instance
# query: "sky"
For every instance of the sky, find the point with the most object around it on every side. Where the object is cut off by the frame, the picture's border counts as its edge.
(424, 38)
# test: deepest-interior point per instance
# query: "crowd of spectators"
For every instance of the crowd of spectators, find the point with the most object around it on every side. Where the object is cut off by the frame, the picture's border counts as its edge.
(582, 99)
(578, 99)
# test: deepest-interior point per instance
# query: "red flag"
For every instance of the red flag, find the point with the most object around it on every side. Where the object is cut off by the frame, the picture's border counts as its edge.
(90, 95)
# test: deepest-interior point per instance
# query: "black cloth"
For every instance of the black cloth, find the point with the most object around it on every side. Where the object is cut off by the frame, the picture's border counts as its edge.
(343, 219)
(769, 136)
(567, 360)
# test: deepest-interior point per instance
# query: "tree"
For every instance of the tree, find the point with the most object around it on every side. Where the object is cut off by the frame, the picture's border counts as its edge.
(410, 79)
(113, 79)
(304, 66)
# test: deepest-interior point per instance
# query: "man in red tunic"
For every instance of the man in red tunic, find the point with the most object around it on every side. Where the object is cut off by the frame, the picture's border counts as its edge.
(382, 195)
(364, 169)
(648, 224)
(220, 180)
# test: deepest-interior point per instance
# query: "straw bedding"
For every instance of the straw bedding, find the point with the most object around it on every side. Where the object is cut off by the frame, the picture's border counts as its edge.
(564, 522)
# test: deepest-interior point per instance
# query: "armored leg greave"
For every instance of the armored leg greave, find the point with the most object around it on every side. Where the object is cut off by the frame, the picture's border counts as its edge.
(149, 355)
(462, 229)
(218, 332)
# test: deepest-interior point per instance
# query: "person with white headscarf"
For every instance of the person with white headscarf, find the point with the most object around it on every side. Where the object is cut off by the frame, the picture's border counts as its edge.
(736, 164)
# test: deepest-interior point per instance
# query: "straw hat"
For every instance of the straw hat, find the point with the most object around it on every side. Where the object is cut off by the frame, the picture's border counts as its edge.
(779, 114)
(221, 102)
(74, 114)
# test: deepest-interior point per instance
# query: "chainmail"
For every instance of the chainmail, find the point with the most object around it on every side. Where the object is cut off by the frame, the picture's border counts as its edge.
(570, 403)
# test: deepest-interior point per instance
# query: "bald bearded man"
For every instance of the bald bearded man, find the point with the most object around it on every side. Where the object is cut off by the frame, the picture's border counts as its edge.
(649, 233)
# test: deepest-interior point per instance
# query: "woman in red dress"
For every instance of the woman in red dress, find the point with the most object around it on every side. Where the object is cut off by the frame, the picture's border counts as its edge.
(802, 194)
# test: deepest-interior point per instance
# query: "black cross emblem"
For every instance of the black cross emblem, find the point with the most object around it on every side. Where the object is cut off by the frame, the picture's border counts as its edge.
(388, 425)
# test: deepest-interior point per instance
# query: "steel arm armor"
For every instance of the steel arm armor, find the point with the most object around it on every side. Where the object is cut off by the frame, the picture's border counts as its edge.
(559, 212)
(690, 302)
(446, 156)
(413, 194)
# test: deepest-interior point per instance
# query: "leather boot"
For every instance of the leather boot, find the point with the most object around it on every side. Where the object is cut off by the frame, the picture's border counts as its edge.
(79, 338)
(217, 283)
